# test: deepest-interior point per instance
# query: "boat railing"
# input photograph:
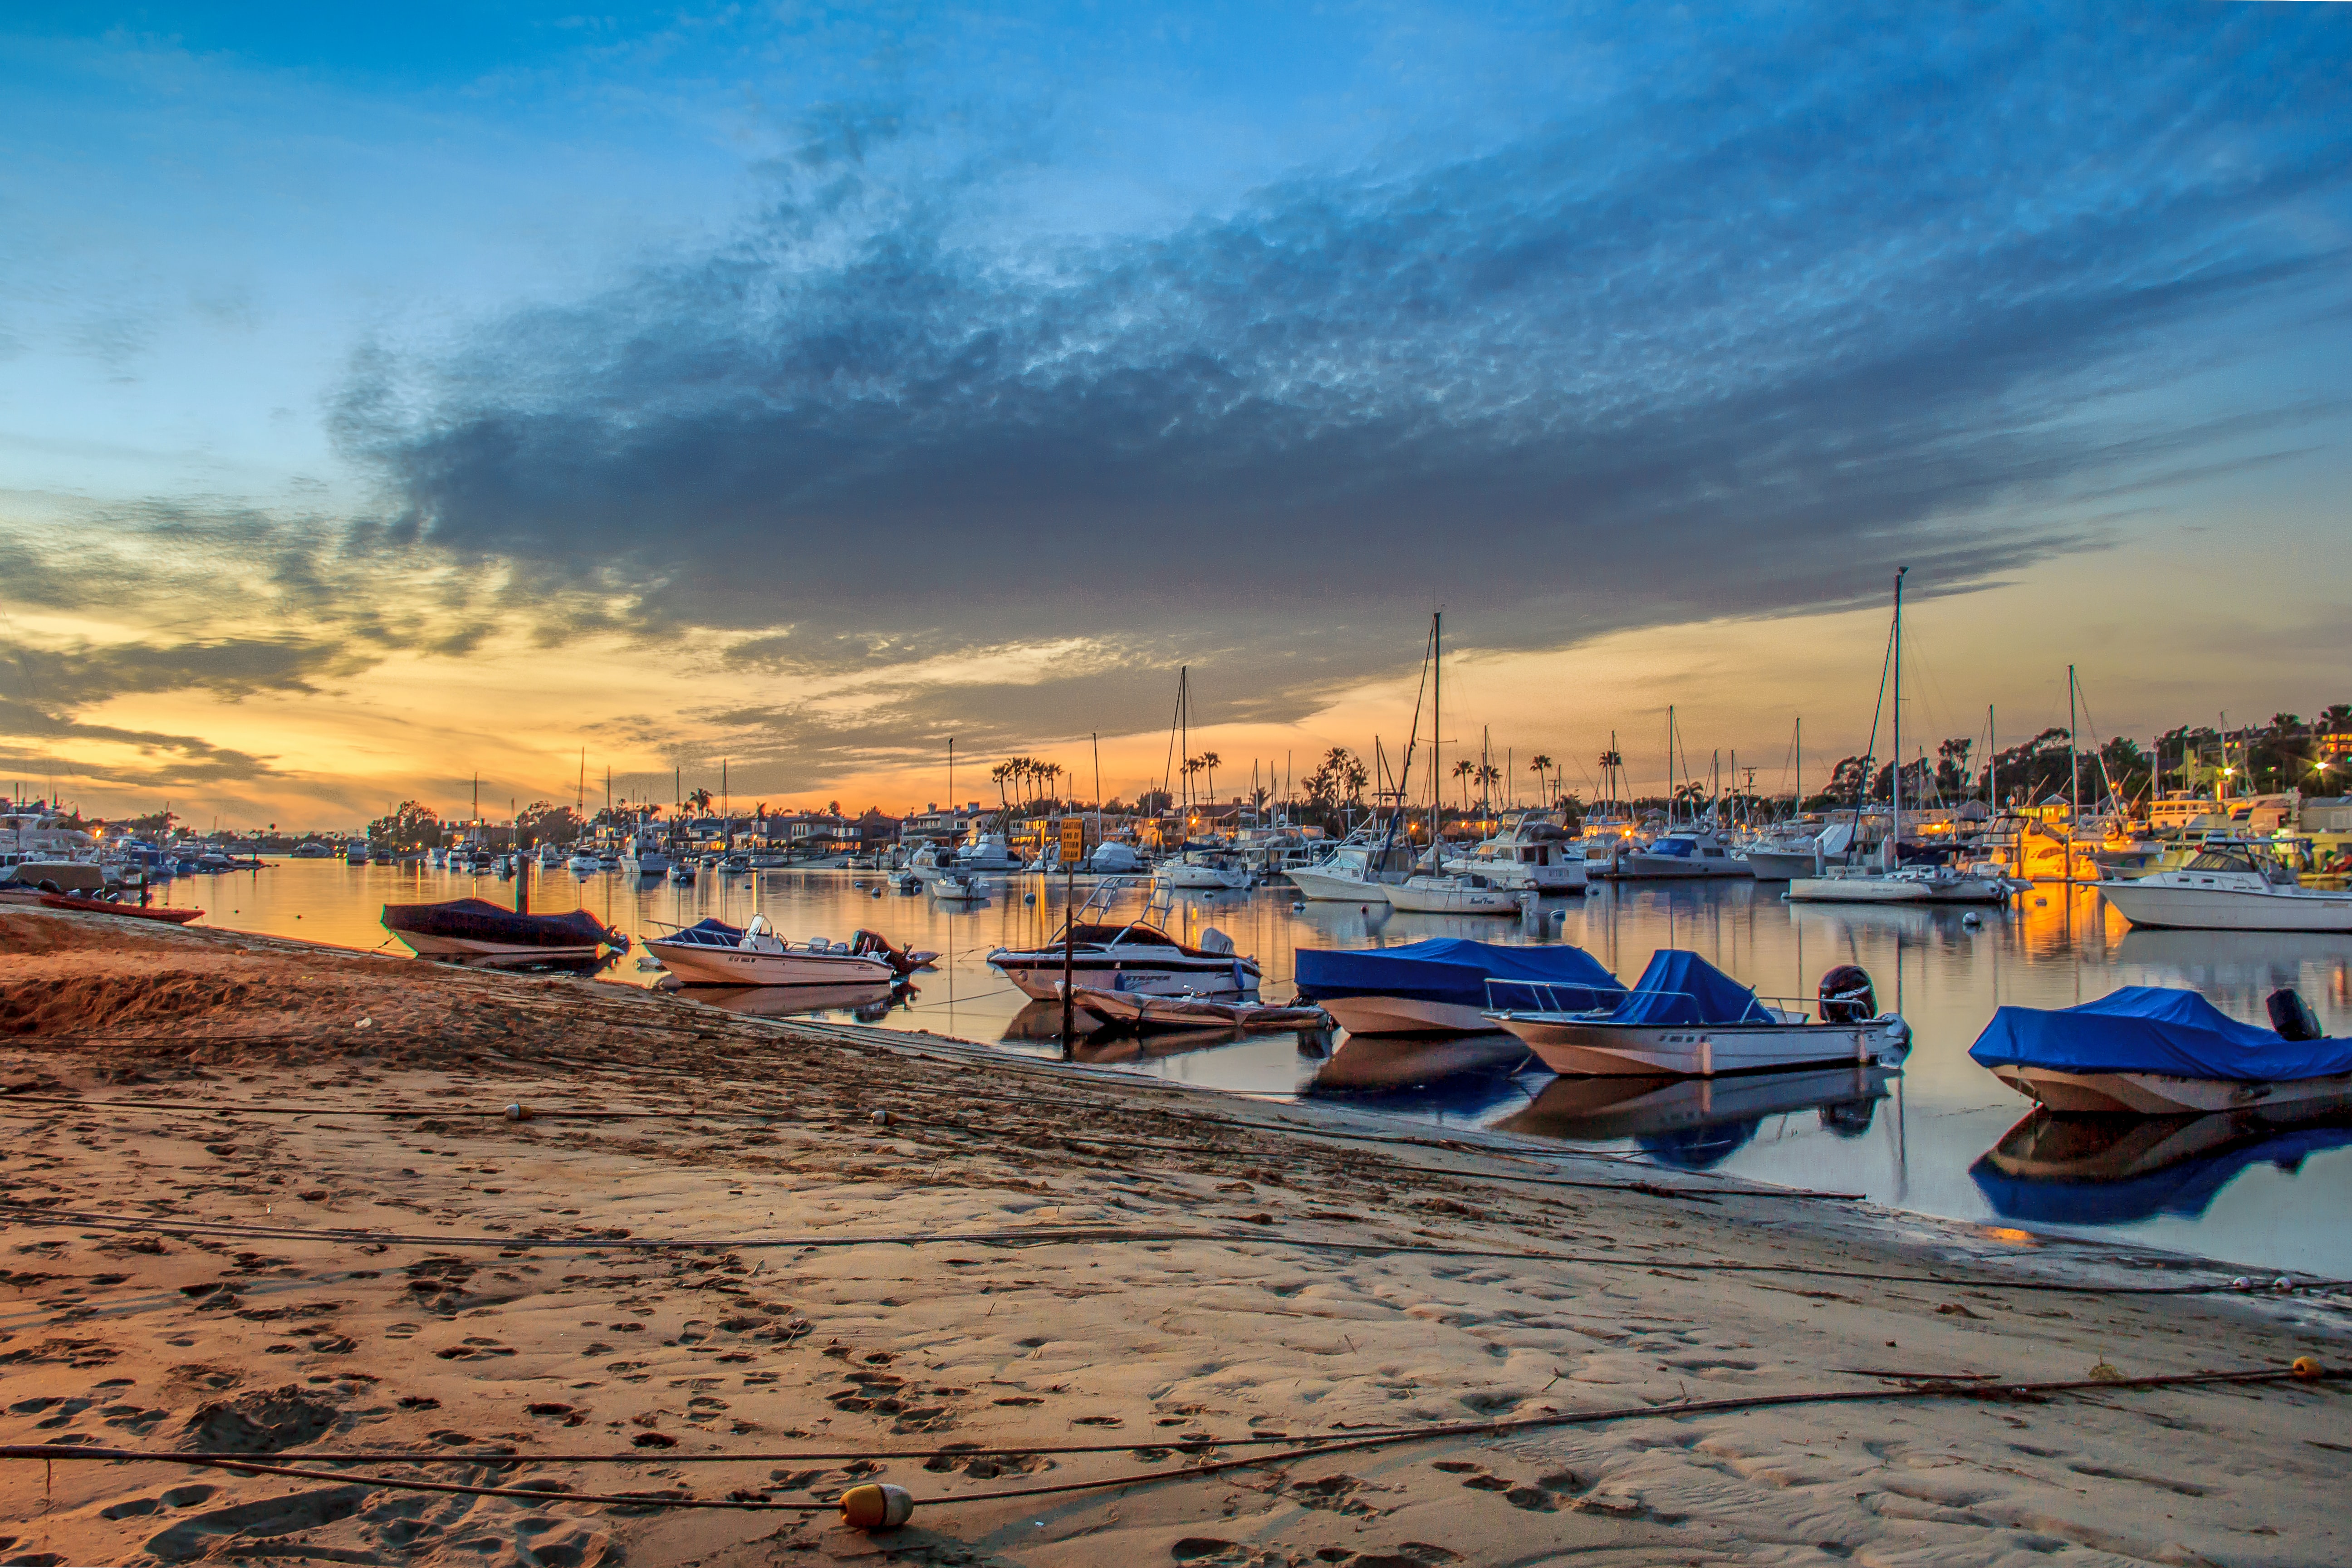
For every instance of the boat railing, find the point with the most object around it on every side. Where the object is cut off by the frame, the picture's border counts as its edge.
(1548, 994)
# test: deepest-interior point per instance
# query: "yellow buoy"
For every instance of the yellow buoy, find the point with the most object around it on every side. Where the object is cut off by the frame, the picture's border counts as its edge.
(2306, 1367)
(876, 1506)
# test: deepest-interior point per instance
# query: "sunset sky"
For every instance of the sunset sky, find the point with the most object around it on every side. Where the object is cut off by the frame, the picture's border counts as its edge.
(388, 398)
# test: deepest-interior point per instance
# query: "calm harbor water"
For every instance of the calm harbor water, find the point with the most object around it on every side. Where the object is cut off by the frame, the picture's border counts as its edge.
(1943, 1136)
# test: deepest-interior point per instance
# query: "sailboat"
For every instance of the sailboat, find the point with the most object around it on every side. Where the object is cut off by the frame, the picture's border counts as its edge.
(1695, 849)
(1443, 893)
(1892, 882)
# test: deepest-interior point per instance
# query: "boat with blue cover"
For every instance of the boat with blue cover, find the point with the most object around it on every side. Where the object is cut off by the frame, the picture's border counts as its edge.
(1685, 1017)
(2158, 1050)
(1444, 986)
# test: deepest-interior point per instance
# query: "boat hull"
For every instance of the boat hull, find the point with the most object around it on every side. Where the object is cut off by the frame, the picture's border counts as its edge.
(696, 965)
(1410, 900)
(1201, 879)
(1634, 865)
(2161, 1094)
(1404, 1016)
(1588, 1047)
(428, 946)
(1783, 865)
(1568, 877)
(1038, 975)
(2224, 908)
(1317, 883)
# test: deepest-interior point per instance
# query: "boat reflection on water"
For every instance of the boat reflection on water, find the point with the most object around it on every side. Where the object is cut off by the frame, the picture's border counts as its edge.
(1696, 1123)
(2115, 1170)
(1382, 1062)
(2247, 963)
(867, 1003)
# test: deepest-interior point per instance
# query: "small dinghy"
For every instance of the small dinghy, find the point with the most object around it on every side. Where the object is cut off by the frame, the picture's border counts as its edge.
(2157, 1050)
(1140, 1010)
(1687, 1019)
(712, 953)
(958, 888)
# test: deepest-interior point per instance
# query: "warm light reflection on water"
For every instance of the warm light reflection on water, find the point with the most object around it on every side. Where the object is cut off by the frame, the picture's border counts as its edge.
(1916, 1140)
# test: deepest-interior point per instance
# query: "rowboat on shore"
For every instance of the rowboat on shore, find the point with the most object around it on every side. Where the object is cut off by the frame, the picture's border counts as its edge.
(1443, 985)
(476, 928)
(107, 907)
(2156, 1050)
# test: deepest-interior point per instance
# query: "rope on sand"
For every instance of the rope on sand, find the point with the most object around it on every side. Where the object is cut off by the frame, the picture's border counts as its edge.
(1934, 1389)
(19, 1212)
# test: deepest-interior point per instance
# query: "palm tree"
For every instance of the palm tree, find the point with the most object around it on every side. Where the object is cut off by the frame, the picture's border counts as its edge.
(1540, 765)
(1465, 770)
(700, 800)
(1211, 762)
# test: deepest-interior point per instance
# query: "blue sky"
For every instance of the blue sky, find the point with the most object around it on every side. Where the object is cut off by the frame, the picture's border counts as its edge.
(834, 344)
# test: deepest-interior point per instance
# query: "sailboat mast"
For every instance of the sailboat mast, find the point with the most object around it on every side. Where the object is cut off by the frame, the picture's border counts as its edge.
(1670, 767)
(1895, 780)
(2073, 769)
(1437, 728)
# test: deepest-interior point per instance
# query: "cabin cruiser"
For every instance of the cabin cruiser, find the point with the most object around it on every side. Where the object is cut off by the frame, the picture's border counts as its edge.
(1791, 854)
(1360, 870)
(2227, 888)
(584, 864)
(2029, 849)
(356, 853)
(1682, 852)
(1107, 955)
(989, 852)
(39, 831)
(644, 855)
(1687, 1019)
(1203, 870)
(1909, 885)
(1111, 857)
(1531, 852)
(312, 849)
(712, 953)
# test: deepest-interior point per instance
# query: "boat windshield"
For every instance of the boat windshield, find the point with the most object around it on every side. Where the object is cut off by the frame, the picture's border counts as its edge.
(1678, 847)
(2211, 860)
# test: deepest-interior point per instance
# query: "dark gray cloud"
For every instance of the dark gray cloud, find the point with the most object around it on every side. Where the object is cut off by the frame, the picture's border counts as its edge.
(1789, 306)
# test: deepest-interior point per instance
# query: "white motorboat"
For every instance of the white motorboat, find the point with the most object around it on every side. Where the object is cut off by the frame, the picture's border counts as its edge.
(957, 887)
(1203, 870)
(712, 953)
(550, 856)
(1532, 852)
(1111, 857)
(1911, 885)
(989, 852)
(2224, 888)
(1358, 872)
(1786, 856)
(1472, 895)
(1686, 1018)
(1130, 956)
(644, 856)
(681, 872)
(584, 865)
(1683, 853)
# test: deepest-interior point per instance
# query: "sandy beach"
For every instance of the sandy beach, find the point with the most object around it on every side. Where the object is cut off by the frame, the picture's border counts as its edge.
(268, 1199)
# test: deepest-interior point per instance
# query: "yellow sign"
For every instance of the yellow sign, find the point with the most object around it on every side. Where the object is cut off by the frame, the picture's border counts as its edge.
(1073, 839)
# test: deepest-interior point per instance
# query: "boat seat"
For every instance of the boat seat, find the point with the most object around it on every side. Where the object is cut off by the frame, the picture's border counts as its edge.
(1215, 941)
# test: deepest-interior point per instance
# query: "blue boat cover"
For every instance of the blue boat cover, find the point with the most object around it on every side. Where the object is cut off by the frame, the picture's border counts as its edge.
(2158, 1029)
(1456, 970)
(1681, 987)
(714, 926)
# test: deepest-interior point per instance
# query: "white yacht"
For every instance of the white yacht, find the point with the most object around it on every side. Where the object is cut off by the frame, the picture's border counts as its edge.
(644, 856)
(1793, 852)
(712, 953)
(1531, 852)
(1696, 851)
(1132, 956)
(989, 852)
(1203, 870)
(1360, 870)
(38, 830)
(2225, 888)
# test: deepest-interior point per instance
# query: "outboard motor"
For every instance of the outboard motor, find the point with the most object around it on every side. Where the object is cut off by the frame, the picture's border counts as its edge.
(2291, 1016)
(1846, 996)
